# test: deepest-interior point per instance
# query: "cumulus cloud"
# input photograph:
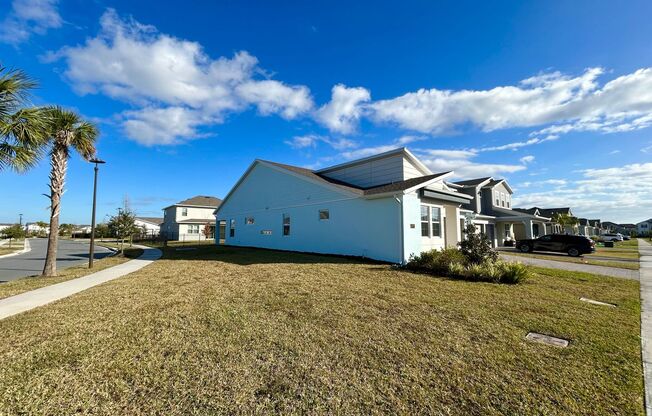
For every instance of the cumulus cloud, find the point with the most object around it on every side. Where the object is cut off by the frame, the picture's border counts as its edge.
(311, 141)
(344, 110)
(617, 194)
(568, 103)
(28, 17)
(163, 126)
(133, 62)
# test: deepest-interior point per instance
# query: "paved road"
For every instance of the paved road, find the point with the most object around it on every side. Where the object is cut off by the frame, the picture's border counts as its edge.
(645, 249)
(71, 253)
(576, 267)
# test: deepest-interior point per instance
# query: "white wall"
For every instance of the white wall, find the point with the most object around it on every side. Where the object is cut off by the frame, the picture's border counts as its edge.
(388, 169)
(151, 228)
(357, 227)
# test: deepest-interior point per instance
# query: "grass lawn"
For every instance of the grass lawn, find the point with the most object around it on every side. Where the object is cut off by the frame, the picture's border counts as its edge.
(15, 287)
(16, 245)
(586, 259)
(240, 331)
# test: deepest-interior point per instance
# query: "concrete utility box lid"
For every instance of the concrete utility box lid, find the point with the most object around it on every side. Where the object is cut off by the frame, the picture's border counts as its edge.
(547, 339)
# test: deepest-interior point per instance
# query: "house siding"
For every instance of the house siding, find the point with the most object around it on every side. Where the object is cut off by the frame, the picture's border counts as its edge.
(389, 169)
(358, 227)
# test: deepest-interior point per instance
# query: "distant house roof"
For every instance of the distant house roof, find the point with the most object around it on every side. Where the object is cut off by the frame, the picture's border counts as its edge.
(199, 201)
(151, 220)
(196, 221)
(545, 212)
(583, 221)
(374, 190)
(473, 182)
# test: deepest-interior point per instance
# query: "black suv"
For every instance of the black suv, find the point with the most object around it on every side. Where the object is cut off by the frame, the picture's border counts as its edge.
(574, 245)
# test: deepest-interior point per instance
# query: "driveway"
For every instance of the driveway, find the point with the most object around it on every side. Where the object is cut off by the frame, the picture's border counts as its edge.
(575, 267)
(70, 253)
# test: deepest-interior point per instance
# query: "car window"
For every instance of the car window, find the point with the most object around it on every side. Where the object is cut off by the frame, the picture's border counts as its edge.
(545, 238)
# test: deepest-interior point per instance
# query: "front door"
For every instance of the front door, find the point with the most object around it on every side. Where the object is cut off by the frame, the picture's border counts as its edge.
(222, 232)
(491, 234)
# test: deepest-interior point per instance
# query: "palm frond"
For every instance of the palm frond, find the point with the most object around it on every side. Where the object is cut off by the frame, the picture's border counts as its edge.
(14, 89)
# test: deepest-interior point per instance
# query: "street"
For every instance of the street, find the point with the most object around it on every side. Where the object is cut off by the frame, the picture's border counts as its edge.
(70, 253)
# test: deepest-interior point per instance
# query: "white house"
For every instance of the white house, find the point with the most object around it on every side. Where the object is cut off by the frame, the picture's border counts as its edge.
(150, 225)
(384, 207)
(186, 220)
(644, 228)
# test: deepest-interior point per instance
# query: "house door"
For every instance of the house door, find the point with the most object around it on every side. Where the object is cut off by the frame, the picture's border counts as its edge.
(222, 232)
(491, 234)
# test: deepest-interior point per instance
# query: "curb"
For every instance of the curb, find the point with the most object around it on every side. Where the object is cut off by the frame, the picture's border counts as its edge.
(26, 249)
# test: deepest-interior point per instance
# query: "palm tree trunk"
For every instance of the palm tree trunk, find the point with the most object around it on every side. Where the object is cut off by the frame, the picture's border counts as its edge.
(59, 164)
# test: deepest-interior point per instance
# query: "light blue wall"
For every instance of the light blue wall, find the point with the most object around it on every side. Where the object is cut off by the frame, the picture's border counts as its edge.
(357, 227)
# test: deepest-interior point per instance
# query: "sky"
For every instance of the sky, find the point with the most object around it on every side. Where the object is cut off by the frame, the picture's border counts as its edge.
(555, 97)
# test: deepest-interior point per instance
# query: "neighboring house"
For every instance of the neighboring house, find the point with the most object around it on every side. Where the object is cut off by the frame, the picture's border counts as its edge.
(186, 220)
(3, 226)
(490, 209)
(34, 228)
(644, 228)
(596, 227)
(610, 227)
(627, 229)
(81, 231)
(584, 227)
(150, 225)
(552, 227)
(386, 207)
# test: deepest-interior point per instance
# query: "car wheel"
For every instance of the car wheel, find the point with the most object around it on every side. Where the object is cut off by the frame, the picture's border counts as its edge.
(524, 248)
(573, 252)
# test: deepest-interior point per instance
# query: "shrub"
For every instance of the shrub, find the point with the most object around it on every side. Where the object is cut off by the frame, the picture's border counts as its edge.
(436, 261)
(476, 247)
(512, 272)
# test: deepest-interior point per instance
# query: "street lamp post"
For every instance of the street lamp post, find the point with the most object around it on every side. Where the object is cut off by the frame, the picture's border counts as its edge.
(92, 250)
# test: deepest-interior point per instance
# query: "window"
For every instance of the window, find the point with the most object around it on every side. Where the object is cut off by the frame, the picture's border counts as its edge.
(497, 196)
(249, 220)
(193, 229)
(436, 221)
(509, 199)
(232, 229)
(184, 212)
(508, 234)
(425, 221)
(502, 199)
(324, 214)
(286, 224)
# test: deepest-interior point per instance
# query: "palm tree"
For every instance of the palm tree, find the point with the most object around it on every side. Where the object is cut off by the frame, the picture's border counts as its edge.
(565, 220)
(66, 131)
(22, 129)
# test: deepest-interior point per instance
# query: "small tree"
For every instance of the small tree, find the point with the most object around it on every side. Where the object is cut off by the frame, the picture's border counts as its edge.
(15, 232)
(66, 229)
(123, 226)
(102, 230)
(565, 220)
(43, 226)
(208, 231)
(477, 247)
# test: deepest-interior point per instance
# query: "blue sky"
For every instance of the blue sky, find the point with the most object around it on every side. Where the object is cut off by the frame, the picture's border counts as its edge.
(554, 96)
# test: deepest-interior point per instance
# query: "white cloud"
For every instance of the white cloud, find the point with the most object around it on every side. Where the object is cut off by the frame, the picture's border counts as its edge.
(526, 159)
(647, 149)
(569, 103)
(311, 140)
(163, 126)
(134, 63)
(28, 17)
(614, 152)
(344, 110)
(518, 145)
(619, 194)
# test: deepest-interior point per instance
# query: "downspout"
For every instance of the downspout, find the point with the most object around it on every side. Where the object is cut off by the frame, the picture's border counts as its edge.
(401, 230)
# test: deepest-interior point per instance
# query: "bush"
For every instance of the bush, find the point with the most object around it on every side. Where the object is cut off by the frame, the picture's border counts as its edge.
(476, 247)
(452, 263)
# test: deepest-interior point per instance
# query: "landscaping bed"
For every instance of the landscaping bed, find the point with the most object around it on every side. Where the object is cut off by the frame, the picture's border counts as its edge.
(236, 330)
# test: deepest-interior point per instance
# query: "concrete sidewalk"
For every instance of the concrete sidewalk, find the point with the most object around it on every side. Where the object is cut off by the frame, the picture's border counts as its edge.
(575, 267)
(645, 249)
(39, 297)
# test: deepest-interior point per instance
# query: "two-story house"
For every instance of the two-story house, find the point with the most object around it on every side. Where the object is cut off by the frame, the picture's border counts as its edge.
(186, 220)
(491, 211)
(644, 228)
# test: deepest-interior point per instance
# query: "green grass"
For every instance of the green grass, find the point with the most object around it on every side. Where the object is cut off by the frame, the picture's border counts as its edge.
(25, 284)
(223, 330)
(16, 245)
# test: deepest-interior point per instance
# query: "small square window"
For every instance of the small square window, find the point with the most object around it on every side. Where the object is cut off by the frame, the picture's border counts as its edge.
(324, 214)
(184, 212)
(249, 220)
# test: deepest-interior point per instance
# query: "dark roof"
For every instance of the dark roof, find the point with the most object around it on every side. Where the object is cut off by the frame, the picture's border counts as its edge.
(374, 190)
(472, 182)
(530, 211)
(153, 220)
(583, 221)
(544, 212)
(402, 185)
(202, 201)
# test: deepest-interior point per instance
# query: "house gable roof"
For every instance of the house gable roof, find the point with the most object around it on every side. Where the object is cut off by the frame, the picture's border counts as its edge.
(401, 150)
(474, 182)
(151, 220)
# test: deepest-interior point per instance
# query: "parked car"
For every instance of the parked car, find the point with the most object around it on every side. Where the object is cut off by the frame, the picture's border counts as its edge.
(626, 237)
(611, 237)
(574, 245)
